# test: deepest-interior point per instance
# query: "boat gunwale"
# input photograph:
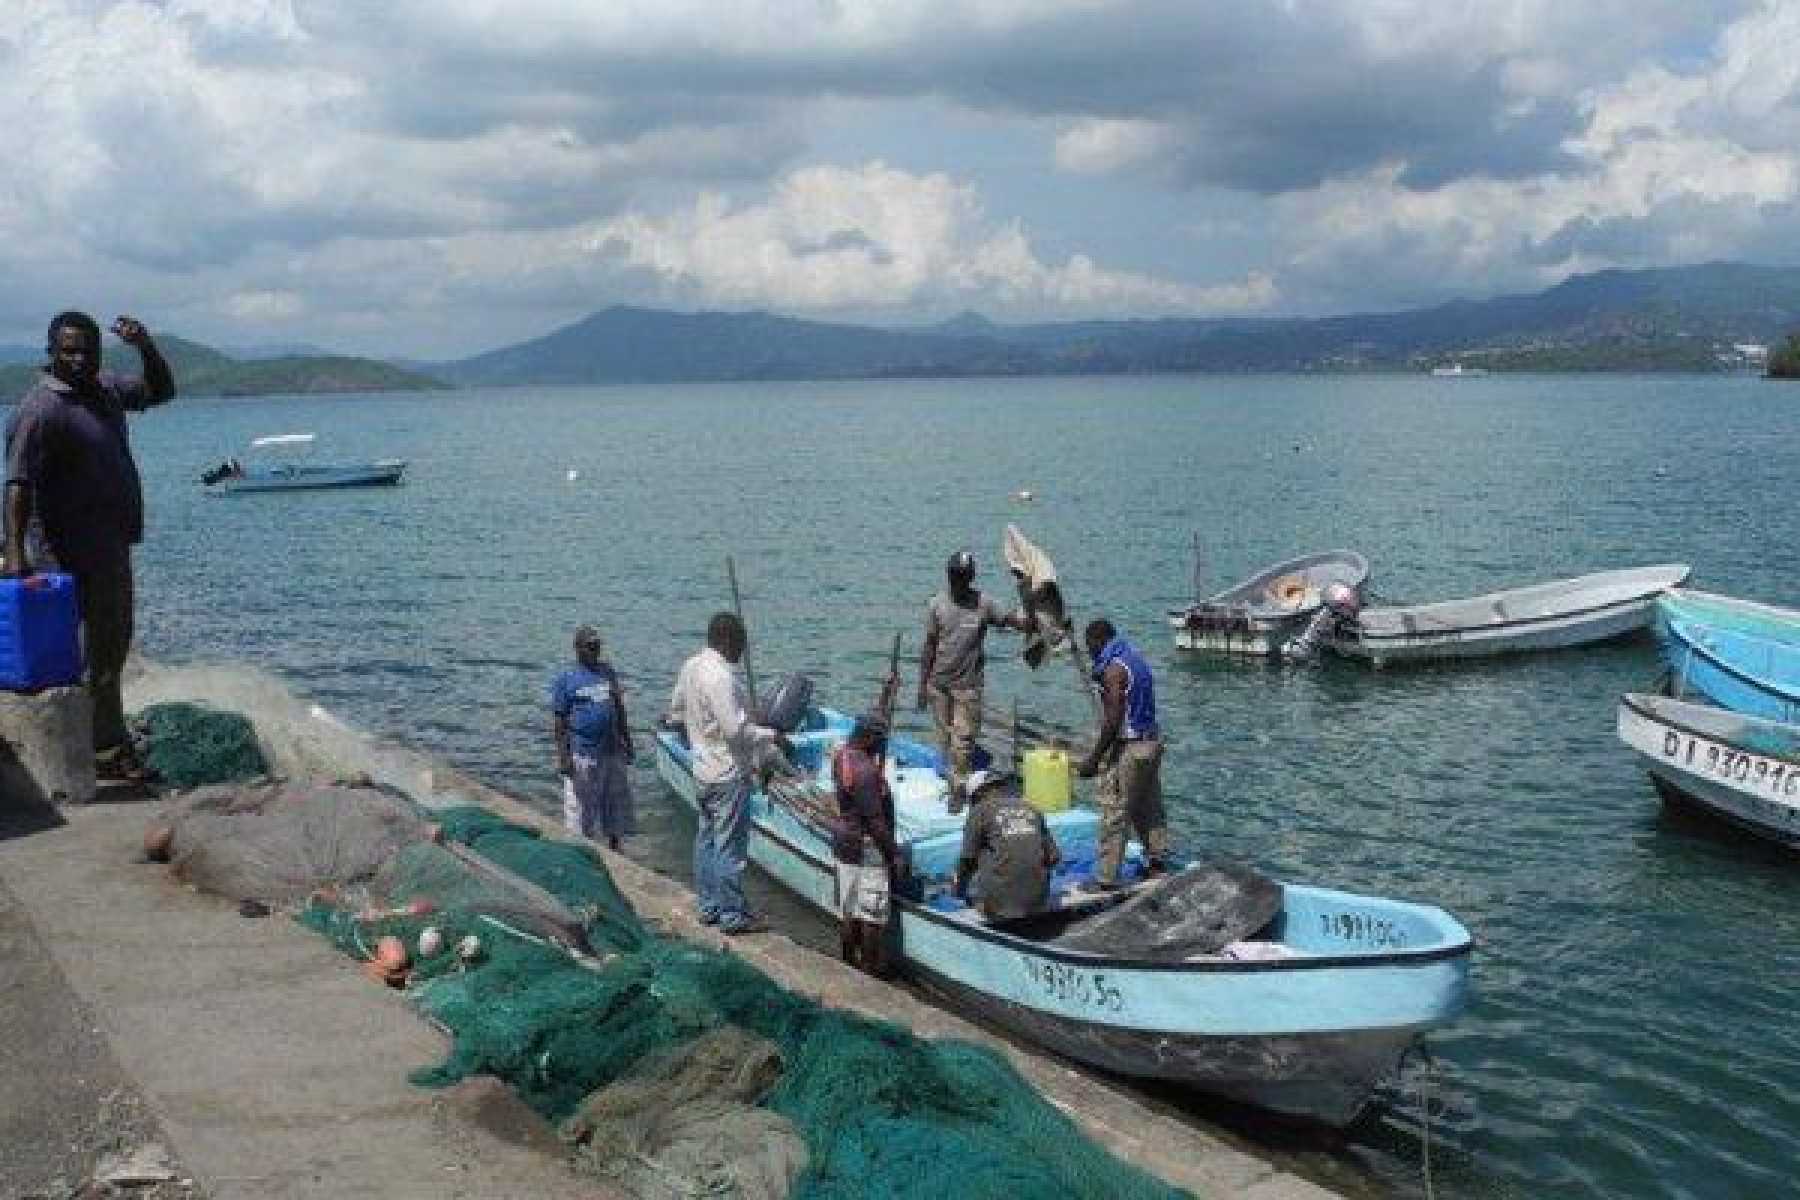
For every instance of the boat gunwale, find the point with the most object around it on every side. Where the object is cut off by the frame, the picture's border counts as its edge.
(1635, 701)
(1787, 693)
(1449, 949)
(1698, 597)
(1275, 571)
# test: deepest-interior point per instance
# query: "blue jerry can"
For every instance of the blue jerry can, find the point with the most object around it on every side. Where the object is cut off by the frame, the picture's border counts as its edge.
(40, 633)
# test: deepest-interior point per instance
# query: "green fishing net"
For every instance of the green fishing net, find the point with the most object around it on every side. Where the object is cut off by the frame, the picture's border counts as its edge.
(599, 1024)
(190, 745)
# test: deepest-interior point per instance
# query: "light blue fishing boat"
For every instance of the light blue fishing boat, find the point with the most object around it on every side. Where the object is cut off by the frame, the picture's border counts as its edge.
(1728, 612)
(266, 474)
(1738, 654)
(1303, 1017)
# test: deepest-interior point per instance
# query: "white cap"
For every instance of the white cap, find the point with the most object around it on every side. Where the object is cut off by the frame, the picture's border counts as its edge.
(978, 780)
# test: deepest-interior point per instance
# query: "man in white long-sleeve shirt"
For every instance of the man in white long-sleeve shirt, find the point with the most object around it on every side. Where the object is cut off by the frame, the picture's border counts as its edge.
(727, 748)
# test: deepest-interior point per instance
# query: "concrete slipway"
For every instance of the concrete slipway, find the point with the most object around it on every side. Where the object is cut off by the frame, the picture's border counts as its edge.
(275, 1069)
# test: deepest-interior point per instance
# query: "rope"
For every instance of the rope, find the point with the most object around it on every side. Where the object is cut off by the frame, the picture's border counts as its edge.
(1423, 1081)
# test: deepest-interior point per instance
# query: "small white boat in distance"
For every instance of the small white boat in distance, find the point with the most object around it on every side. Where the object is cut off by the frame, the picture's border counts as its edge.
(1266, 611)
(267, 474)
(1457, 371)
(1745, 770)
(1544, 616)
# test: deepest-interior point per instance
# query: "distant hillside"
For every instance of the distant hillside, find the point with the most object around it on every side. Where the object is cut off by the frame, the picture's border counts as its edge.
(202, 371)
(639, 345)
(1681, 319)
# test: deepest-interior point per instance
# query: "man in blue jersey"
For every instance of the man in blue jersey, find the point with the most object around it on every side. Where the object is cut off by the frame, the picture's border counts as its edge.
(1127, 756)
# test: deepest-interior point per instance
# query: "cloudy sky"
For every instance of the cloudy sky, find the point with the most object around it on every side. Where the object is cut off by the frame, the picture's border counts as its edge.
(436, 177)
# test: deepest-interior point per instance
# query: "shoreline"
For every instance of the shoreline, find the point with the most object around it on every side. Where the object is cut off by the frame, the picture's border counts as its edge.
(215, 965)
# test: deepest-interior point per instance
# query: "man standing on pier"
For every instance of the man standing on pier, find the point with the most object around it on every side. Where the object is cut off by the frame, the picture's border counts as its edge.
(592, 735)
(69, 466)
(727, 749)
(1127, 755)
(953, 665)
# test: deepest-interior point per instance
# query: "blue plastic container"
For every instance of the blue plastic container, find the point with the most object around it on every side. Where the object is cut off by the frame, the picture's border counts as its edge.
(40, 633)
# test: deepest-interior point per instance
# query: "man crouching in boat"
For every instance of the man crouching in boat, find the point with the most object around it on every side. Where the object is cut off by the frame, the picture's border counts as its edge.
(865, 880)
(1006, 848)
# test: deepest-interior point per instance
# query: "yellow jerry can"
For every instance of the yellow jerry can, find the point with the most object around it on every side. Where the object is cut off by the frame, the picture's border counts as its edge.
(1049, 779)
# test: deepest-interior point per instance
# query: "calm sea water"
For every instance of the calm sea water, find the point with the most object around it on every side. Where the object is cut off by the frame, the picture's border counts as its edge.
(1634, 1032)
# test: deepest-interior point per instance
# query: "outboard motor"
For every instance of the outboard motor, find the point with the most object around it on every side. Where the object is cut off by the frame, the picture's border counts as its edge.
(223, 471)
(1343, 600)
(1336, 618)
(784, 707)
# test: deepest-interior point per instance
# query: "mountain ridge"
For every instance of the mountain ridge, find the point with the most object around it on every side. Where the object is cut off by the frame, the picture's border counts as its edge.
(1680, 318)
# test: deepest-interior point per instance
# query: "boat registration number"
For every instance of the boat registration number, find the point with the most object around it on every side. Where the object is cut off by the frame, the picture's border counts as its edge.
(1359, 927)
(1769, 776)
(1075, 985)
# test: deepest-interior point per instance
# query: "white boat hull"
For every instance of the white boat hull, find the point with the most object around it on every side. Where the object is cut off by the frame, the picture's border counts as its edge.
(1710, 759)
(1250, 635)
(1551, 616)
(386, 473)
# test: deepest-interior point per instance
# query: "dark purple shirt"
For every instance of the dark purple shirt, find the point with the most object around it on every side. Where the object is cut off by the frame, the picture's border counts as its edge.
(865, 808)
(74, 452)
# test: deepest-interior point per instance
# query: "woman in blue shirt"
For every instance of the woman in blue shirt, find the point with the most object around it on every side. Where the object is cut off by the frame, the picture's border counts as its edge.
(593, 743)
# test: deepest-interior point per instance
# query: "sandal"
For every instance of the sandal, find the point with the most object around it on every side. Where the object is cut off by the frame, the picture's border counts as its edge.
(121, 765)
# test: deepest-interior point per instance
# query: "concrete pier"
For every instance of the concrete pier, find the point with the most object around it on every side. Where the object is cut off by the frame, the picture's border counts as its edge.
(275, 1069)
(47, 746)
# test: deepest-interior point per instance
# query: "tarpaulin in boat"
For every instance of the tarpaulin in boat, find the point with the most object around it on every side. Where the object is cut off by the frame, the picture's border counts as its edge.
(1039, 594)
(1197, 910)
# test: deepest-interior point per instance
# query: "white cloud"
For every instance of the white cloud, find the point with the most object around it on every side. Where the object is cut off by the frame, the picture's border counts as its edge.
(431, 162)
(257, 307)
(880, 239)
(1099, 147)
(1668, 167)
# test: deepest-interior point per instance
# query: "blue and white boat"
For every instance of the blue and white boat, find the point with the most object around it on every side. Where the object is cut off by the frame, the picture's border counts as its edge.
(1743, 769)
(1304, 1017)
(266, 473)
(1738, 654)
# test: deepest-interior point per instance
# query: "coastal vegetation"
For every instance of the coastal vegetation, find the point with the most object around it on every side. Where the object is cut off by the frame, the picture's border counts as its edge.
(1689, 319)
(1784, 360)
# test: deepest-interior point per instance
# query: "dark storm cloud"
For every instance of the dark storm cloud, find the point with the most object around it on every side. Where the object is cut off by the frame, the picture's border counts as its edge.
(1259, 96)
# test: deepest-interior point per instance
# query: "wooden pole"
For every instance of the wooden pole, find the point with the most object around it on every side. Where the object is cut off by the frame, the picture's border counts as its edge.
(737, 606)
(1199, 574)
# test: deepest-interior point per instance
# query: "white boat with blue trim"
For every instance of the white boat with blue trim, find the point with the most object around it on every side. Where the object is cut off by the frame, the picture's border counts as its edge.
(1304, 1017)
(264, 473)
(1743, 769)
